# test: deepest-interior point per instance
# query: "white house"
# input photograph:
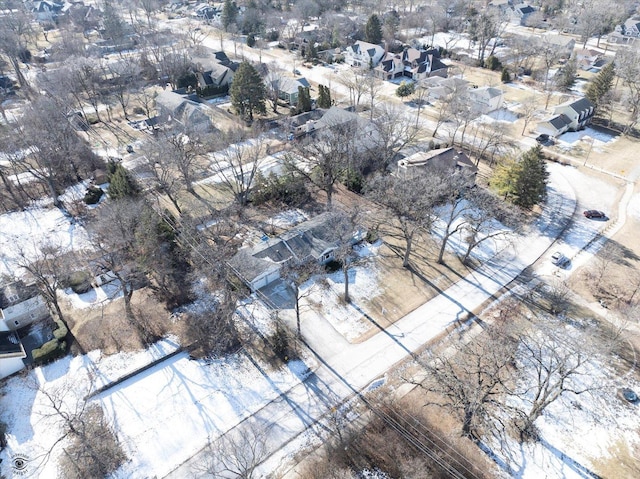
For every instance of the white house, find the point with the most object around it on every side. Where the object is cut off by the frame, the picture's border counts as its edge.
(363, 54)
(573, 115)
(20, 305)
(486, 99)
(12, 354)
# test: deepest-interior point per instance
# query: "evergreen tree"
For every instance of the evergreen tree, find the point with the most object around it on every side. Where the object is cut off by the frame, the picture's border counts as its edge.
(405, 89)
(506, 76)
(229, 14)
(524, 182)
(248, 92)
(251, 40)
(373, 30)
(121, 184)
(312, 52)
(601, 84)
(324, 97)
(304, 99)
(568, 74)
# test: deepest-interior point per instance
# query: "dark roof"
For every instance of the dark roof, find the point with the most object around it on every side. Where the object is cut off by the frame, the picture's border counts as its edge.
(10, 344)
(17, 292)
(580, 105)
(559, 121)
(525, 9)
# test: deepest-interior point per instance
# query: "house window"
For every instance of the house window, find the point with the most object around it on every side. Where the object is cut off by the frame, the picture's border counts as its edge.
(16, 323)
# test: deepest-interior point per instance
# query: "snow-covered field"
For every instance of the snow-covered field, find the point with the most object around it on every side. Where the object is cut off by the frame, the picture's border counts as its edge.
(171, 411)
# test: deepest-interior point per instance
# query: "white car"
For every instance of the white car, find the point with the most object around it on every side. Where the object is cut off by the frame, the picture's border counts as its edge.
(560, 260)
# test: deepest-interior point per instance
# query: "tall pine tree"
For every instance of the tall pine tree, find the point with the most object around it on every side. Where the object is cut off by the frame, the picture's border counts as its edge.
(523, 182)
(121, 184)
(373, 30)
(229, 14)
(248, 92)
(324, 97)
(304, 99)
(601, 85)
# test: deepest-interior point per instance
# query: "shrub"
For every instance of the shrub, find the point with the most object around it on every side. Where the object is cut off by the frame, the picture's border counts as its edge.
(49, 351)
(506, 76)
(61, 331)
(493, 63)
(93, 195)
(288, 189)
(79, 282)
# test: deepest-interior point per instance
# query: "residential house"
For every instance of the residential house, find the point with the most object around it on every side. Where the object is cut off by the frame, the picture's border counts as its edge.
(486, 99)
(173, 107)
(522, 13)
(20, 305)
(573, 115)
(448, 159)
(363, 54)
(206, 12)
(587, 59)
(565, 44)
(46, 10)
(12, 354)
(288, 88)
(413, 63)
(260, 264)
(442, 87)
(219, 76)
(364, 132)
(628, 32)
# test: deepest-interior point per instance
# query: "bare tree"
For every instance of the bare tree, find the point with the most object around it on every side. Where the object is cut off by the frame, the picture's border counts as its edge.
(273, 82)
(553, 363)
(324, 157)
(628, 69)
(57, 155)
(394, 131)
(372, 87)
(212, 333)
(295, 274)
(409, 203)
(480, 223)
(237, 453)
(456, 198)
(354, 81)
(236, 166)
(116, 234)
(47, 269)
(471, 378)
(528, 108)
(94, 450)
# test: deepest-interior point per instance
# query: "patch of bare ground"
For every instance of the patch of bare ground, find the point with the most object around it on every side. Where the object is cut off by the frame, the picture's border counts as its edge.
(621, 461)
(107, 328)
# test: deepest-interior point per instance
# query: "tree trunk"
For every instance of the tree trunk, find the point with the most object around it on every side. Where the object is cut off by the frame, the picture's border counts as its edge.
(345, 270)
(405, 260)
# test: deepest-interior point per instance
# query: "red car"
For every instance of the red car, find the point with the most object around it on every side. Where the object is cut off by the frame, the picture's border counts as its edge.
(595, 214)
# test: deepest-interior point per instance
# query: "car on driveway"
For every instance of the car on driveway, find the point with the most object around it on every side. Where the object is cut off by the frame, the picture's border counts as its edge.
(544, 139)
(560, 260)
(595, 214)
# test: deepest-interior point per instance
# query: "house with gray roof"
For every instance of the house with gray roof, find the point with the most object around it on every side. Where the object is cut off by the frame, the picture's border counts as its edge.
(288, 88)
(573, 115)
(173, 107)
(448, 159)
(628, 32)
(486, 99)
(363, 54)
(413, 63)
(313, 240)
(20, 305)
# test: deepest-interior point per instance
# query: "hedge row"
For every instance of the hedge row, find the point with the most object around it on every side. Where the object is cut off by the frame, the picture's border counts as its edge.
(54, 349)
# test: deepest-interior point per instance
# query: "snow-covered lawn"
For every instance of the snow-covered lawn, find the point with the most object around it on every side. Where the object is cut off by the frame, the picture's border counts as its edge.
(26, 231)
(599, 137)
(162, 416)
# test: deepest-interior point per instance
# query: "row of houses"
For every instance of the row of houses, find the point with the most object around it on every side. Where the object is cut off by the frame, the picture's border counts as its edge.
(411, 62)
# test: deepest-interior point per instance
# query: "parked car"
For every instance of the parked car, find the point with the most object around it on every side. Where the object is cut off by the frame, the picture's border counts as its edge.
(560, 260)
(595, 214)
(628, 395)
(544, 139)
